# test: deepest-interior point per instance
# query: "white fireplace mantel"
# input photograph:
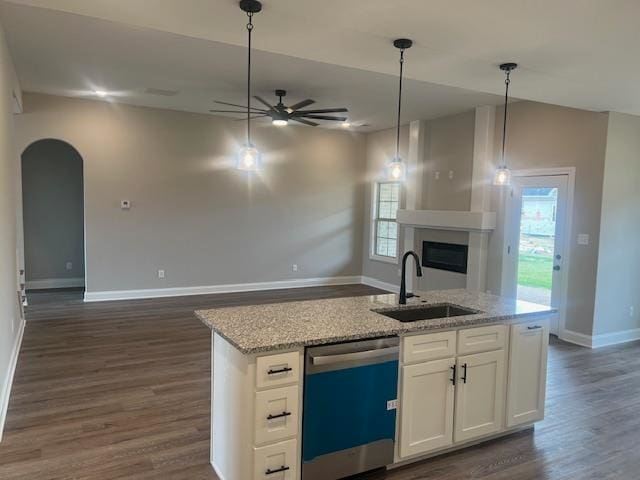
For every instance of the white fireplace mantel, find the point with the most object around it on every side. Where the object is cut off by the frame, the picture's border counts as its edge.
(448, 220)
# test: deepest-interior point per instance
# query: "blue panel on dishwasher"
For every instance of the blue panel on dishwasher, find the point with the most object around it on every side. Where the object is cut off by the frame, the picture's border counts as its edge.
(347, 408)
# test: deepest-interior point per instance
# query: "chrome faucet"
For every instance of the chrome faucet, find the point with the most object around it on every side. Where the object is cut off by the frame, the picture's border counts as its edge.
(403, 286)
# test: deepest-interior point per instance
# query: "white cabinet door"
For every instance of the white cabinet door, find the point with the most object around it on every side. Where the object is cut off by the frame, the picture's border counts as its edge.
(480, 393)
(527, 372)
(426, 409)
(276, 414)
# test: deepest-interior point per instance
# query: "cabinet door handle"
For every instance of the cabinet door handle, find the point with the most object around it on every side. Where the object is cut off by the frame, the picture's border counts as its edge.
(453, 377)
(277, 470)
(279, 370)
(464, 373)
(534, 327)
(279, 415)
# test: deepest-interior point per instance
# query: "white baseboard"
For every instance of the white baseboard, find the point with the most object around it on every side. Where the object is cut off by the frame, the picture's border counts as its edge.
(209, 289)
(54, 283)
(603, 340)
(5, 393)
(373, 282)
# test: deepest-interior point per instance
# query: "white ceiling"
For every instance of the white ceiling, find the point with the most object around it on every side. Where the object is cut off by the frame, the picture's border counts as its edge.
(572, 52)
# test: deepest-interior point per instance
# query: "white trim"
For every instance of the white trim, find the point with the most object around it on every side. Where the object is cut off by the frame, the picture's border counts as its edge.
(5, 394)
(374, 282)
(602, 340)
(54, 283)
(380, 258)
(227, 288)
(447, 220)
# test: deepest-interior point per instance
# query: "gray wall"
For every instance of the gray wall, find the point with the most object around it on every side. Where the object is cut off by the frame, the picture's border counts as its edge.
(618, 284)
(547, 136)
(9, 308)
(193, 214)
(52, 200)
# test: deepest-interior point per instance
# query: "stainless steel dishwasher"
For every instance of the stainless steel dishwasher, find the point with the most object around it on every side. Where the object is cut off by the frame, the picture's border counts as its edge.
(349, 415)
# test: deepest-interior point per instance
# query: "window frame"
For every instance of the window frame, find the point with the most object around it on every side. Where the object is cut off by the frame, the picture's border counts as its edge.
(373, 234)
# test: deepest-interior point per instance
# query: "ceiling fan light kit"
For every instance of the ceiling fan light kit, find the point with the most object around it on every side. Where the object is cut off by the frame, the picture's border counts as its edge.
(502, 175)
(396, 168)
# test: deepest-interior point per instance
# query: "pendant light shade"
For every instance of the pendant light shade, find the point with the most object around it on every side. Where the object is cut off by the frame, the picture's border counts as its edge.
(502, 176)
(396, 169)
(249, 156)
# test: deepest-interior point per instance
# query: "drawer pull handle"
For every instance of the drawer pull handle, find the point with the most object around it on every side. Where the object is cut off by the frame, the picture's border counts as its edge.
(534, 327)
(279, 370)
(279, 415)
(277, 470)
(453, 377)
(464, 374)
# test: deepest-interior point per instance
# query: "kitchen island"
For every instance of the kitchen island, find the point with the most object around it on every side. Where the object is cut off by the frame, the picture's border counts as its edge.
(460, 379)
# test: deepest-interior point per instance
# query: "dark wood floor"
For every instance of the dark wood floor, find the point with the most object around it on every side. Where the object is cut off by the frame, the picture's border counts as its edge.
(121, 390)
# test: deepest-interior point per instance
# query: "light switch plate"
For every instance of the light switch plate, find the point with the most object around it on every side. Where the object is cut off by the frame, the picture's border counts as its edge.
(583, 239)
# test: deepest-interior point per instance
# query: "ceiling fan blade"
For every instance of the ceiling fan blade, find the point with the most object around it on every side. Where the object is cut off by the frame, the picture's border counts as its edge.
(306, 122)
(321, 117)
(263, 101)
(239, 106)
(324, 110)
(244, 119)
(228, 111)
(300, 105)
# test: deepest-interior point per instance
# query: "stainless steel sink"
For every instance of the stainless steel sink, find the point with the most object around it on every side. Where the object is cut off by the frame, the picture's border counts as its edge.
(430, 312)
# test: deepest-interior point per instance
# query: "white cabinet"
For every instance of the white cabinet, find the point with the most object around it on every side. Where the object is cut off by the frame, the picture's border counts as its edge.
(479, 395)
(276, 461)
(527, 372)
(276, 414)
(427, 407)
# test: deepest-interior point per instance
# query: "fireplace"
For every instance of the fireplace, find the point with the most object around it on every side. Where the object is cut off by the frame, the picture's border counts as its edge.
(445, 256)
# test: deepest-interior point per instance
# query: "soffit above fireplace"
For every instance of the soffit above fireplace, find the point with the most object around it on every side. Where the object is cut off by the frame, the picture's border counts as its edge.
(448, 220)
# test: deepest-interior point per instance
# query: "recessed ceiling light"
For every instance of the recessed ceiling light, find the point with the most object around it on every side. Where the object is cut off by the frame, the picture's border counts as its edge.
(100, 93)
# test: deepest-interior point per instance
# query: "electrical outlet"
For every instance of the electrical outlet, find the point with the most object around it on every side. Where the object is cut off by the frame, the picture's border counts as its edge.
(632, 311)
(583, 239)
(69, 266)
(392, 404)
(294, 267)
(160, 273)
(450, 174)
(125, 204)
(399, 272)
(436, 175)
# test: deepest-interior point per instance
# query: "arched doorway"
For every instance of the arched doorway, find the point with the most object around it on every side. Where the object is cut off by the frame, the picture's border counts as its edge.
(53, 216)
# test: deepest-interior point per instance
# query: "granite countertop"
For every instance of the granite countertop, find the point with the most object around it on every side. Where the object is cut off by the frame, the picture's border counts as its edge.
(277, 326)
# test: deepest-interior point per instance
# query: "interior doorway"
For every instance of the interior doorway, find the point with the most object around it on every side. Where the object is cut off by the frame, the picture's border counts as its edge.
(53, 216)
(538, 213)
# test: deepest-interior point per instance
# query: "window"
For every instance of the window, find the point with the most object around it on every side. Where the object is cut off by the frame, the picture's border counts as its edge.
(385, 228)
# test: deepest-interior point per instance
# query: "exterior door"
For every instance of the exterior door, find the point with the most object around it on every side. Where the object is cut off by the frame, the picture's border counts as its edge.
(536, 224)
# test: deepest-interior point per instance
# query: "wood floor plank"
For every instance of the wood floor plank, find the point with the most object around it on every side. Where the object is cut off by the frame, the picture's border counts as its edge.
(114, 390)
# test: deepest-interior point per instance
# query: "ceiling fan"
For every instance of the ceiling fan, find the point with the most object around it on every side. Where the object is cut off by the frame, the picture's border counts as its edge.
(281, 114)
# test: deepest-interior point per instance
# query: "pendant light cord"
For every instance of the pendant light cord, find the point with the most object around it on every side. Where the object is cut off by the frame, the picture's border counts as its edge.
(507, 81)
(249, 30)
(399, 107)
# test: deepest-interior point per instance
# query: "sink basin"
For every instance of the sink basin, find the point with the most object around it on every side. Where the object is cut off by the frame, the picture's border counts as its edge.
(409, 314)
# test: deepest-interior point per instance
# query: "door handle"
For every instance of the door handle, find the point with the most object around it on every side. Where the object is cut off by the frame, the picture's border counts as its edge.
(453, 377)
(556, 267)
(464, 373)
(534, 327)
(279, 415)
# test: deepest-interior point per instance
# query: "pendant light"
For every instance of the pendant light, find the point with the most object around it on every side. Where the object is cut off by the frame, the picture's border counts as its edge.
(396, 169)
(249, 156)
(503, 174)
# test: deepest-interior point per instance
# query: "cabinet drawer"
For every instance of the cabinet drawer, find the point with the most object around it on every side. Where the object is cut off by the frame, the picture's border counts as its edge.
(278, 461)
(276, 414)
(432, 346)
(481, 339)
(277, 370)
